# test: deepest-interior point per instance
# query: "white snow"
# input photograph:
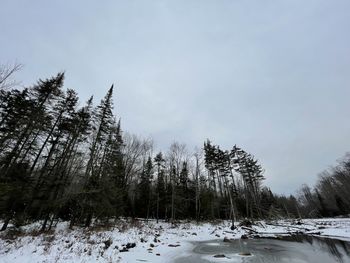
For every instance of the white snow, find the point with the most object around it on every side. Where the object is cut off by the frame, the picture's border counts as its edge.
(104, 245)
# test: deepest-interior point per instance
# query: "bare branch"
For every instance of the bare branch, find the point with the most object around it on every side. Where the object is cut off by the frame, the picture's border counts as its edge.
(6, 74)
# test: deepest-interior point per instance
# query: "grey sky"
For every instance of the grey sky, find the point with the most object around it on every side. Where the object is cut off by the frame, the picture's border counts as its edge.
(270, 76)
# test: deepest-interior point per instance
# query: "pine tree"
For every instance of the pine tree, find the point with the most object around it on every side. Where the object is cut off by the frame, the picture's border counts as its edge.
(160, 187)
(144, 188)
(42, 94)
(26, 114)
(49, 179)
(93, 194)
(113, 173)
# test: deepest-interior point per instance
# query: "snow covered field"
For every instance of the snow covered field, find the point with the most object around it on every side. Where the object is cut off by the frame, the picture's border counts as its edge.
(143, 242)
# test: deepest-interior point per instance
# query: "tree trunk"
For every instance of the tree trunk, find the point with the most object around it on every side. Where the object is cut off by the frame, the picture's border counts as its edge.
(172, 202)
(157, 207)
(45, 142)
(6, 222)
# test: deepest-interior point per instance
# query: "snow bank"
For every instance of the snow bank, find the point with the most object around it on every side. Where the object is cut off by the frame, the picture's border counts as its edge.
(143, 242)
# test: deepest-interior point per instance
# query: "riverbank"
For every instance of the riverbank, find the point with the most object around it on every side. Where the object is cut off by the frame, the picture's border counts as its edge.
(140, 241)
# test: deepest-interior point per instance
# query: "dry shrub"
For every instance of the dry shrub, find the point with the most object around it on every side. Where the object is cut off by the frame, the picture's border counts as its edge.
(12, 234)
(136, 223)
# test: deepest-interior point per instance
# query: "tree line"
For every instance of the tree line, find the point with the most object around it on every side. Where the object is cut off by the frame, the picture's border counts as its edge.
(61, 160)
(330, 196)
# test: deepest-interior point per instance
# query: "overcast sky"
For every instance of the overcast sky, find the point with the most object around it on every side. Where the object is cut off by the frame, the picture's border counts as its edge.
(271, 76)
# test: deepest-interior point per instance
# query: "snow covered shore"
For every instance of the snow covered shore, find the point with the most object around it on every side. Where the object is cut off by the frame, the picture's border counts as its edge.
(144, 242)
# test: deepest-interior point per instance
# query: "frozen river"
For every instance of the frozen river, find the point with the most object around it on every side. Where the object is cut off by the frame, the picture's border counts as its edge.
(298, 249)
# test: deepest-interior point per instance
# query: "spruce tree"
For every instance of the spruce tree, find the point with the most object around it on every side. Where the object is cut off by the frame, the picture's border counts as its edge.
(160, 186)
(93, 191)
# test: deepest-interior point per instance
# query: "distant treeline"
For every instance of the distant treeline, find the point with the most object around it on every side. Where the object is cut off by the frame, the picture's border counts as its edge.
(62, 161)
(331, 195)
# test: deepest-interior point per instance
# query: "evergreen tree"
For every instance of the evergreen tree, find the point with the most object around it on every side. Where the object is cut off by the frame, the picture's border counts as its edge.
(144, 189)
(93, 190)
(160, 186)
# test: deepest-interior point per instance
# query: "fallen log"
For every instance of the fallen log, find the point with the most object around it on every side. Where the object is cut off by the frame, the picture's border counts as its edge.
(249, 229)
(297, 227)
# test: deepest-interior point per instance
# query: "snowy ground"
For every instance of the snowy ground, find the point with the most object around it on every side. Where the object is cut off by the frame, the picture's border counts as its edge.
(153, 242)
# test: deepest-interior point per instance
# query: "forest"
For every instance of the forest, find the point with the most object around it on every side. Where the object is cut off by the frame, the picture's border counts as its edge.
(63, 159)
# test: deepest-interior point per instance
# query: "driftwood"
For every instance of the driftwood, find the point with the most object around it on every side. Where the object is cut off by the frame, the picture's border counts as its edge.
(249, 229)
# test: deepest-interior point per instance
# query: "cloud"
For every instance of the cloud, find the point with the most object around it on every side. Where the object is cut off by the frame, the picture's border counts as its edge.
(271, 76)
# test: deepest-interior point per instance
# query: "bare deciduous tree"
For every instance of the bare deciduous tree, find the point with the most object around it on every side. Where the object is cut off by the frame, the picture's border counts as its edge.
(6, 75)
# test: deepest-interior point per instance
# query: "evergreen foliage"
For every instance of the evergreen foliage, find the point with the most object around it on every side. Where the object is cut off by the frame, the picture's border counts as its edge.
(62, 161)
